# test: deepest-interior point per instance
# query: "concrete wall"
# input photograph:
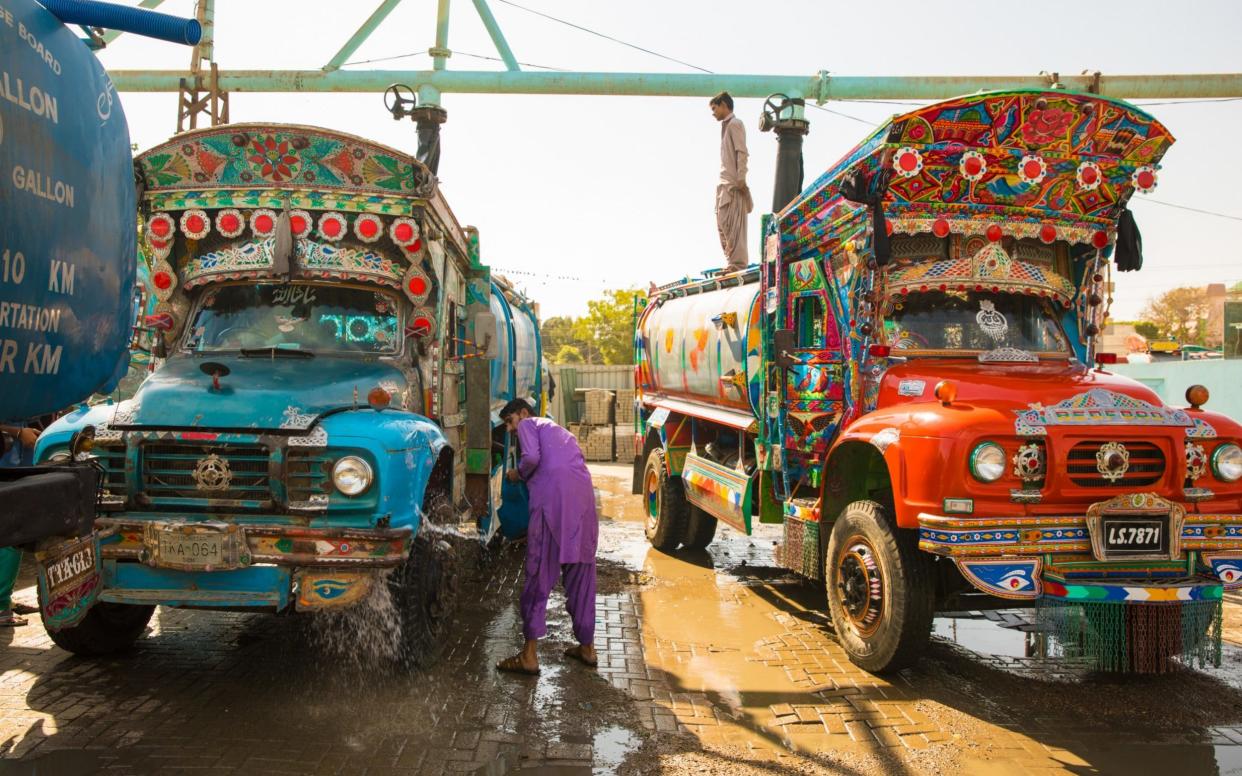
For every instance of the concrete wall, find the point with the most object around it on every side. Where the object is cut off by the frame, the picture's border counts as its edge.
(1170, 379)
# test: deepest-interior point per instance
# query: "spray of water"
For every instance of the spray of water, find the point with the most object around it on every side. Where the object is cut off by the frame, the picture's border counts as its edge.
(366, 636)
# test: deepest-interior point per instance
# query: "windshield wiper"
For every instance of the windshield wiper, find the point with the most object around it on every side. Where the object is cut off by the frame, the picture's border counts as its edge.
(273, 352)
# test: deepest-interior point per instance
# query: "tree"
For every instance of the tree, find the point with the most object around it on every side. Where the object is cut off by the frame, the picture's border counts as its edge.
(1147, 330)
(568, 354)
(557, 332)
(1179, 314)
(608, 327)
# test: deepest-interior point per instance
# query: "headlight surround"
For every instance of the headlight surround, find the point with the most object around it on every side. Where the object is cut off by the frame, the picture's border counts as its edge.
(1227, 462)
(60, 456)
(987, 462)
(351, 475)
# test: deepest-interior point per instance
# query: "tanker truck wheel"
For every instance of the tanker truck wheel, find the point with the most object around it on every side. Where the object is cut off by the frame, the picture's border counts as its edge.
(424, 592)
(107, 628)
(880, 592)
(664, 499)
(700, 530)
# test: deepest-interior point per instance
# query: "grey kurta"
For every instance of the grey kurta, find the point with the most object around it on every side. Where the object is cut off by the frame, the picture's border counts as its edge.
(733, 200)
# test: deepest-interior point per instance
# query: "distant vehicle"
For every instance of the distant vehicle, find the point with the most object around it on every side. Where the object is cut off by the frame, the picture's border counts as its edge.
(907, 384)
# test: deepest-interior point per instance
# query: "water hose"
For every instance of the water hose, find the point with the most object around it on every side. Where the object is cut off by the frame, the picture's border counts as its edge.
(139, 21)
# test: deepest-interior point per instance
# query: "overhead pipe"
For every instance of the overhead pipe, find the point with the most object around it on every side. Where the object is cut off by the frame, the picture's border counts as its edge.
(139, 21)
(818, 88)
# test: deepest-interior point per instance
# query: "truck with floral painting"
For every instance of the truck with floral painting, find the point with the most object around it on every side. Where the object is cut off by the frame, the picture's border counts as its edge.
(331, 354)
(910, 384)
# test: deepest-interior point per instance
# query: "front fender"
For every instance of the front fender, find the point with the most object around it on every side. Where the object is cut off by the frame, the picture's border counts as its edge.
(63, 428)
(405, 448)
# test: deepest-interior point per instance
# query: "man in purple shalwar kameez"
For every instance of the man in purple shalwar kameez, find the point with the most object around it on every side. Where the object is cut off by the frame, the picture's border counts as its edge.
(562, 537)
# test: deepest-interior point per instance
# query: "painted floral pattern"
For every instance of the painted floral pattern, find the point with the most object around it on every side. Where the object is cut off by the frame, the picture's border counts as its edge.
(273, 159)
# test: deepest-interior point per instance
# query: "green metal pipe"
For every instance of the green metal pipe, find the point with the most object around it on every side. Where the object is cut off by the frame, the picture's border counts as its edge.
(441, 53)
(498, 37)
(816, 87)
(376, 18)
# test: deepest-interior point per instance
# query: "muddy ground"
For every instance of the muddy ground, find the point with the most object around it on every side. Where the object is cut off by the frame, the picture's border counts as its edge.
(713, 662)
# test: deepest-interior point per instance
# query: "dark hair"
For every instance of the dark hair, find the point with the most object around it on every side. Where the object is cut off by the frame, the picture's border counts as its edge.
(724, 97)
(514, 407)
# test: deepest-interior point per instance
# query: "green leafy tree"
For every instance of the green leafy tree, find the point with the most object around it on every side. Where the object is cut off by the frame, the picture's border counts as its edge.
(1179, 314)
(568, 354)
(558, 332)
(1147, 330)
(608, 328)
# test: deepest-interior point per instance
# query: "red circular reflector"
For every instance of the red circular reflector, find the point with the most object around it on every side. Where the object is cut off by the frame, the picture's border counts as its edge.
(229, 223)
(160, 227)
(368, 228)
(422, 325)
(378, 398)
(194, 224)
(331, 227)
(1100, 239)
(1047, 233)
(940, 228)
(1089, 175)
(403, 232)
(908, 161)
(1033, 169)
(418, 286)
(994, 233)
(162, 280)
(1146, 179)
(973, 165)
(297, 224)
(263, 224)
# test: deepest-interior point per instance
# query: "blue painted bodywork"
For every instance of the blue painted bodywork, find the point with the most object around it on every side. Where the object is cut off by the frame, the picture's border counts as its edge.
(67, 262)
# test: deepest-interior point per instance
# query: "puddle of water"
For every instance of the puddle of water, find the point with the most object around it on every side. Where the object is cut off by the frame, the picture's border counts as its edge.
(611, 746)
(979, 633)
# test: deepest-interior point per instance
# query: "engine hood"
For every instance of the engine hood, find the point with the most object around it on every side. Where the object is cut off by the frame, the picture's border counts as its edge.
(258, 393)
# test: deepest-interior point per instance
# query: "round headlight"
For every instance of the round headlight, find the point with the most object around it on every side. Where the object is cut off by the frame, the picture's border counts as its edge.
(351, 475)
(987, 462)
(1227, 462)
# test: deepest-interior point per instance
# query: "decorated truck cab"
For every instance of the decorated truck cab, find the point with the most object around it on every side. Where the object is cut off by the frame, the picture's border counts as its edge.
(910, 384)
(331, 353)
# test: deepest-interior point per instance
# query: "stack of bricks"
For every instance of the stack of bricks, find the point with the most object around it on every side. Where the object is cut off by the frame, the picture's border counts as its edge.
(595, 441)
(597, 404)
(625, 407)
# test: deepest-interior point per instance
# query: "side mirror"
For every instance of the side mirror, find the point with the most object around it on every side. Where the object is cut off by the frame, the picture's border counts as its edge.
(485, 334)
(82, 442)
(783, 341)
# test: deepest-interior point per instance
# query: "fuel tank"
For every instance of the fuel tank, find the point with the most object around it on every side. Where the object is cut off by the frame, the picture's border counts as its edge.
(515, 370)
(703, 345)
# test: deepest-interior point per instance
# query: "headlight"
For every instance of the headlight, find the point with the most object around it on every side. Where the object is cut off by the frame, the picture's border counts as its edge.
(1227, 462)
(987, 462)
(351, 475)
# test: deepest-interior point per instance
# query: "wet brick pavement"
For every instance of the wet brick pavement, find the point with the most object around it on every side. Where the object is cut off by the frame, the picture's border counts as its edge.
(712, 662)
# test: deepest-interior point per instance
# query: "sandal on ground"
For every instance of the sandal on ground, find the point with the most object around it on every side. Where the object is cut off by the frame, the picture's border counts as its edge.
(514, 665)
(12, 621)
(24, 608)
(575, 653)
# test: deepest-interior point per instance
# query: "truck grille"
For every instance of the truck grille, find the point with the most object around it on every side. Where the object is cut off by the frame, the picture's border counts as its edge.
(112, 458)
(1147, 463)
(197, 472)
(307, 474)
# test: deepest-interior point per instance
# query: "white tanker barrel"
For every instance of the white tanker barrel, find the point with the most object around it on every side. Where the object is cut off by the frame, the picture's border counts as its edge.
(704, 347)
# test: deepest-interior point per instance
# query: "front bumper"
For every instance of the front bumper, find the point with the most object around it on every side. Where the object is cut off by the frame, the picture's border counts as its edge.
(1064, 556)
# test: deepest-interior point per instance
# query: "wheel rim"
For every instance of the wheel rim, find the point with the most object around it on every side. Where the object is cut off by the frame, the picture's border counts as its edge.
(652, 488)
(860, 585)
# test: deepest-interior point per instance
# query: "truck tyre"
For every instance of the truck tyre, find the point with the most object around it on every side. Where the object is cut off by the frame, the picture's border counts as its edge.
(880, 592)
(700, 529)
(665, 500)
(107, 628)
(424, 592)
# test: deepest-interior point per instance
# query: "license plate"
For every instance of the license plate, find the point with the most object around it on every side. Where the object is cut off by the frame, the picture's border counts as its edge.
(194, 546)
(1135, 535)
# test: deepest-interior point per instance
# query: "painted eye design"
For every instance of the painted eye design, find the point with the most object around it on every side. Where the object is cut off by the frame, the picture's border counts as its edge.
(1229, 572)
(330, 588)
(1015, 580)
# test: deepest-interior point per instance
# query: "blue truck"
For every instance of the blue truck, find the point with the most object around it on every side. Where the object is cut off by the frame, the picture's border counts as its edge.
(322, 420)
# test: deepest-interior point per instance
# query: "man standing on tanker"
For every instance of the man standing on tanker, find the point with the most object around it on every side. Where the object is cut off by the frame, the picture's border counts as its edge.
(733, 201)
(562, 536)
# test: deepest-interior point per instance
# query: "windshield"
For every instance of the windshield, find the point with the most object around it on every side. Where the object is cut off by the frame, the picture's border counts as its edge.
(294, 316)
(977, 322)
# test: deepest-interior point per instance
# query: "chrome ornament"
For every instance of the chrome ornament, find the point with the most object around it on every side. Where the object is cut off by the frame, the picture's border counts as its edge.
(1112, 461)
(1028, 462)
(212, 473)
(991, 320)
(1196, 461)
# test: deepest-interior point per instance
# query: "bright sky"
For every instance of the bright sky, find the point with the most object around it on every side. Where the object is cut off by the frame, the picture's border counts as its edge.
(590, 193)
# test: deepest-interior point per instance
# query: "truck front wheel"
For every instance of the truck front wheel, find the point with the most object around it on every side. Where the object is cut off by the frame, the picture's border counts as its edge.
(664, 499)
(107, 628)
(879, 586)
(424, 590)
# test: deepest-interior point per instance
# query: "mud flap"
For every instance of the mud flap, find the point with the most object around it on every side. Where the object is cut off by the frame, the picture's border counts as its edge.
(70, 578)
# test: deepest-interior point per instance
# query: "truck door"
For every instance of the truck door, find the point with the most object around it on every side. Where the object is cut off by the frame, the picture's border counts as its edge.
(814, 383)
